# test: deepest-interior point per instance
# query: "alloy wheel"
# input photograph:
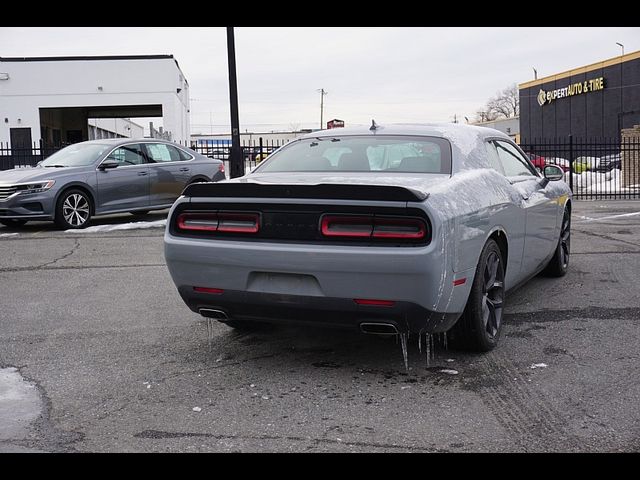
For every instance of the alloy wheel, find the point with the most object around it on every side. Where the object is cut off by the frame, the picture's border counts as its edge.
(565, 240)
(75, 210)
(492, 294)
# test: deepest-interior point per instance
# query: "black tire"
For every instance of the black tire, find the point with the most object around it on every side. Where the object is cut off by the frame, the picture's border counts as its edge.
(140, 213)
(13, 222)
(559, 263)
(198, 180)
(479, 327)
(73, 210)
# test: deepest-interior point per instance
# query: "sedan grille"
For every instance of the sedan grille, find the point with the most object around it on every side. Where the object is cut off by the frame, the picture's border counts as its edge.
(7, 191)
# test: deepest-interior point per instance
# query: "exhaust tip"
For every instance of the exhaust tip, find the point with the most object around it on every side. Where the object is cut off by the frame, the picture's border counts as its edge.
(216, 314)
(376, 328)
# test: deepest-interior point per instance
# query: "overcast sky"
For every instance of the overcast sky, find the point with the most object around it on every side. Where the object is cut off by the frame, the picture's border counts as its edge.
(403, 74)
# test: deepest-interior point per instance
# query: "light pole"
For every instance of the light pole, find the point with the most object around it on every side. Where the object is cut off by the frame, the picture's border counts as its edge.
(620, 119)
(322, 94)
(236, 162)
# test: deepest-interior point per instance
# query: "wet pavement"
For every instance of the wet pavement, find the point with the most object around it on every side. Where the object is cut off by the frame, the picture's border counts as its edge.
(104, 357)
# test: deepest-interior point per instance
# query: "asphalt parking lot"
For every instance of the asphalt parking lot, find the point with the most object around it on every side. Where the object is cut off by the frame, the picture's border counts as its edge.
(114, 361)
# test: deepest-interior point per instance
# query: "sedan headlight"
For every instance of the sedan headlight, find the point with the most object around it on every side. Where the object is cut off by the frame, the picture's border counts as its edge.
(36, 187)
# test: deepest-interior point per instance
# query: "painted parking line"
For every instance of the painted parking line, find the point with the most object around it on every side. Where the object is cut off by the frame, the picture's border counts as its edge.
(609, 217)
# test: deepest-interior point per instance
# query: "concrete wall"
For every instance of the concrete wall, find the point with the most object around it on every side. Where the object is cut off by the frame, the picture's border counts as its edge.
(32, 85)
(117, 126)
(510, 126)
(630, 156)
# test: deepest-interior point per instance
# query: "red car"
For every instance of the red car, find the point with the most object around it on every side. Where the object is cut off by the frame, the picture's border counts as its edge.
(538, 161)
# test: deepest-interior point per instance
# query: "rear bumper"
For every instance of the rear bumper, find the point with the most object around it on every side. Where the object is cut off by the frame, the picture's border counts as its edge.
(288, 282)
(320, 311)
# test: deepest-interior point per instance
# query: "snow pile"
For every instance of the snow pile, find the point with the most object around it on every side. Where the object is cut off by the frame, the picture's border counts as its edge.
(538, 365)
(598, 182)
(122, 226)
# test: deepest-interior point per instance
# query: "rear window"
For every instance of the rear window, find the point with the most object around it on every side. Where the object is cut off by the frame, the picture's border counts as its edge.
(380, 153)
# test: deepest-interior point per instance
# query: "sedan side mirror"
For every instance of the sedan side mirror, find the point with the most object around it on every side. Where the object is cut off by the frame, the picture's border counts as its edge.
(108, 164)
(553, 172)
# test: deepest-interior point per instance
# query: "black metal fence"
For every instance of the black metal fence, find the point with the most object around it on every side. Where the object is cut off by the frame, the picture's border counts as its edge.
(253, 152)
(22, 157)
(594, 168)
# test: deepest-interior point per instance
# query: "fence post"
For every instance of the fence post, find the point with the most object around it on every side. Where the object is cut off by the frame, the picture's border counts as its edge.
(260, 148)
(571, 163)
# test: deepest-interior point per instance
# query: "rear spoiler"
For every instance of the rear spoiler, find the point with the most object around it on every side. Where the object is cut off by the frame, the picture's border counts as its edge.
(336, 191)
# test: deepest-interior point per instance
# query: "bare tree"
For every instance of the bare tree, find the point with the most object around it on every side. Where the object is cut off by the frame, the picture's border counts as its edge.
(505, 104)
(294, 126)
(485, 115)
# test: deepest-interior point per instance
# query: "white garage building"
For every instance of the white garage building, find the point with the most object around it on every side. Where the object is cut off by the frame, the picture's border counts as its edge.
(52, 98)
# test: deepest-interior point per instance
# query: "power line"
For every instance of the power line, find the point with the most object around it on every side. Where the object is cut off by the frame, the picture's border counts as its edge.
(322, 94)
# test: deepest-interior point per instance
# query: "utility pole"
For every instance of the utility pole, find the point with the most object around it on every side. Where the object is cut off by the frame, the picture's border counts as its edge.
(236, 162)
(322, 94)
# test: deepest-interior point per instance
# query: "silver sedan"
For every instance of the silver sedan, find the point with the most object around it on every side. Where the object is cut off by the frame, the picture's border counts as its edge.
(389, 229)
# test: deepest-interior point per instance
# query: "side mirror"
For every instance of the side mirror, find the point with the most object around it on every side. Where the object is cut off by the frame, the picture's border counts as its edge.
(553, 172)
(108, 164)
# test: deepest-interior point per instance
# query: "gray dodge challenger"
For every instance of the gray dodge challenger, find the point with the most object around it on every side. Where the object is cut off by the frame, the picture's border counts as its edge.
(98, 177)
(392, 229)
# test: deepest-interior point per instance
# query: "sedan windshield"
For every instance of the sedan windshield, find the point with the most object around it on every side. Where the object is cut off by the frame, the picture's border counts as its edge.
(368, 153)
(76, 155)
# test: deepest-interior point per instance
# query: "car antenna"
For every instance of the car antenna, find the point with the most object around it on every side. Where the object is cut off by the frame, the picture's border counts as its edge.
(373, 126)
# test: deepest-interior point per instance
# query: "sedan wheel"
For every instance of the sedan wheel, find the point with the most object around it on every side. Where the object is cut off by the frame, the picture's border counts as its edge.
(479, 327)
(73, 209)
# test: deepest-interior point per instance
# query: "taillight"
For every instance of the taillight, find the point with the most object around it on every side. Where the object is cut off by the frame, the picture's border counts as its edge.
(198, 221)
(227, 222)
(399, 228)
(374, 303)
(238, 222)
(373, 227)
(346, 226)
(221, 167)
(212, 291)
